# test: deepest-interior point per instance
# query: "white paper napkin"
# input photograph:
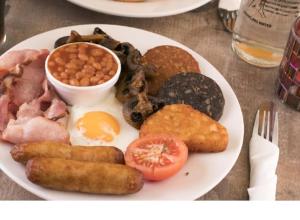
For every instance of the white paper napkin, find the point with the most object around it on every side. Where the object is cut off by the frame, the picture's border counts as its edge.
(230, 5)
(263, 161)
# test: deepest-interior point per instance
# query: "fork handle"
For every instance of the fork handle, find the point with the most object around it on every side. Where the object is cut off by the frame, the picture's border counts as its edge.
(263, 156)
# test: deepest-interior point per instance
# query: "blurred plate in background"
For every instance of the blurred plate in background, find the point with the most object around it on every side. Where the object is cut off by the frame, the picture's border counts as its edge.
(146, 9)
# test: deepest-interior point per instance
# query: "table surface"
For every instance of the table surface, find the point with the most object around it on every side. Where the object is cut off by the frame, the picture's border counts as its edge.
(201, 30)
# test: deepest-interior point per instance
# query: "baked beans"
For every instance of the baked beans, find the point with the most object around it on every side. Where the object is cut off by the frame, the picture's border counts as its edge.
(82, 64)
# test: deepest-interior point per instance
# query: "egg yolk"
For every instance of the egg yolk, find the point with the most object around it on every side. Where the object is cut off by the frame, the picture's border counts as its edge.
(98, 126)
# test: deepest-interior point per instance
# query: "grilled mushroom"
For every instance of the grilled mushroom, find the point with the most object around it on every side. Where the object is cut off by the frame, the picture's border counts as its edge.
(137, 109)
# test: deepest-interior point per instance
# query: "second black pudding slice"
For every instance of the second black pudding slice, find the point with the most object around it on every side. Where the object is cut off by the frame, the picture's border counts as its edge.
(196, 90)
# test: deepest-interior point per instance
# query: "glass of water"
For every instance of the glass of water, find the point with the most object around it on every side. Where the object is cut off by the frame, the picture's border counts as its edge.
(262, 29)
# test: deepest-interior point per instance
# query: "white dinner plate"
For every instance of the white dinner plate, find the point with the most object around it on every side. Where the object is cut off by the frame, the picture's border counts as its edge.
(146, 9)
(202, 171)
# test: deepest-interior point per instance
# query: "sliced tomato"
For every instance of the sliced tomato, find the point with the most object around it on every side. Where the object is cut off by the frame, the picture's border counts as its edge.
(157, 156)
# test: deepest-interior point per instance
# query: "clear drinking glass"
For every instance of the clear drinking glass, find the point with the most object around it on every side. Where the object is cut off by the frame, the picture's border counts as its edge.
(261, 30)
(288, 88)
(2, 23)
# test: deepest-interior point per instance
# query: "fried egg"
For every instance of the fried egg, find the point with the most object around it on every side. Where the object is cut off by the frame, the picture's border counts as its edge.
(100, 125)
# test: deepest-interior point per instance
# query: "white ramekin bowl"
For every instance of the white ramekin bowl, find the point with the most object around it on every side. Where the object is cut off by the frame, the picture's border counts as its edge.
(84, 95)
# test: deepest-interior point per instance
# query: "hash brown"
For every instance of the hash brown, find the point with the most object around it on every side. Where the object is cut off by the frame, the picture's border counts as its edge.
(199, 132)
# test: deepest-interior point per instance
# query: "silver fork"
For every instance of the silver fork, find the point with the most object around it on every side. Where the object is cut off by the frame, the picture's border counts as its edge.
(266, 122)
(264, 154)
(228, 12)
(228, 18)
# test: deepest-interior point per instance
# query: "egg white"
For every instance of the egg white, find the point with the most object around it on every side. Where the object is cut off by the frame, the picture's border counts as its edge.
(112, 106)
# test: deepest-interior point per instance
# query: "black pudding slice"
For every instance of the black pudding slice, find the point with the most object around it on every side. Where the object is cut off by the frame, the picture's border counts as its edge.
(196, 90)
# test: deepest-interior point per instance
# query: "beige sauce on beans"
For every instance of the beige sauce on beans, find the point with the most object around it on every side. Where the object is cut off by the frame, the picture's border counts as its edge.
(82, 65)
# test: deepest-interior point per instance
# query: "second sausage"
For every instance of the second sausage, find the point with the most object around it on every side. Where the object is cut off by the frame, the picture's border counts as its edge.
(24, 152)
(88, 177)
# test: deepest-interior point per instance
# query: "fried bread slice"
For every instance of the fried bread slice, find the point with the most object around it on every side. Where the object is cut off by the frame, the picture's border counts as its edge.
(199, 132)
(169, 61)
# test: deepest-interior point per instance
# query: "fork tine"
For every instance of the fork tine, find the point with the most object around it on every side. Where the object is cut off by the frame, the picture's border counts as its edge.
(232, 22)
(275, 133)
(268, 127)
(272, 118)
(228, 18)
(261, 121)
(256, 122)
(265, 123)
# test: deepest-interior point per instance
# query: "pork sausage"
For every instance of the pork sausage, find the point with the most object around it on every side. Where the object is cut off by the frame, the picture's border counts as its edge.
(87, 177)
(24, 152)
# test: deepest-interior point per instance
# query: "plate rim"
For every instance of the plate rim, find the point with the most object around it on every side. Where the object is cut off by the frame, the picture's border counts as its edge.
(144, 15)
(209, 187)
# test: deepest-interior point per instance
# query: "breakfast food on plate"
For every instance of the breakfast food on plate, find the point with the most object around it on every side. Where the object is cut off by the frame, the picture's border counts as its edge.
(24, 152)
(30, 109)
(198, 131)
(14, 79)
(97, 37)
(88, 177)
(131, 87)
(136, 112)
(162, 93)
(82, 64)
(158, 157)
(169, 60)
(100, 125)
(196, 90)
